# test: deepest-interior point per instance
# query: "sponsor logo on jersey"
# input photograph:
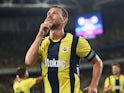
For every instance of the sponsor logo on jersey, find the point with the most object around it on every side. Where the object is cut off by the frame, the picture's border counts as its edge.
(54, 63)
(117, 87)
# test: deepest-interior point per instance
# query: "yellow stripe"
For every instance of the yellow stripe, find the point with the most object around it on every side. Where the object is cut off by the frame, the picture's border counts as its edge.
(44, 49)
(63, 73)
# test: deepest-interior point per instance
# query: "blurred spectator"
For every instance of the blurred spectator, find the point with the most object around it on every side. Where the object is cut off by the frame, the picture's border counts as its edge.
(115, 82)
(23, 84)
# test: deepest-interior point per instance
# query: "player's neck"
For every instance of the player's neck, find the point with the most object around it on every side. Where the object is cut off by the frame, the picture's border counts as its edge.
(117, 76)
(23, 78)
(57, 34)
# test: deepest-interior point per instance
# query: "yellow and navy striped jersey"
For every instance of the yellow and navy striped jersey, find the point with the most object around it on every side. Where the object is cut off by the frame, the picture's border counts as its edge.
(24, 86)
(59, 63)
(118, 84)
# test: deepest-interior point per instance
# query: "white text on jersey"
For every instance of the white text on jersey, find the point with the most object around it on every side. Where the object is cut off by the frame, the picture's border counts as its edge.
(55, 63)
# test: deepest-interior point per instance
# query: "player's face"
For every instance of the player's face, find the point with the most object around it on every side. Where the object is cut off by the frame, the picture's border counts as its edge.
(115, 70)
(54, 17)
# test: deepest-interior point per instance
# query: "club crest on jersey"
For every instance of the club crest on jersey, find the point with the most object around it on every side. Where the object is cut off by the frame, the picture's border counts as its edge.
(65, 49)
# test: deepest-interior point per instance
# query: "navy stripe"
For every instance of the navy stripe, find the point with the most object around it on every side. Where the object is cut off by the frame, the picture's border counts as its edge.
(117, 85)
(53, 79)
(74, 59)
(53, 71)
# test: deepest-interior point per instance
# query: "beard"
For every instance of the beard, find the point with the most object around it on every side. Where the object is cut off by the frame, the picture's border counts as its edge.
(116, 73)
(55, 26)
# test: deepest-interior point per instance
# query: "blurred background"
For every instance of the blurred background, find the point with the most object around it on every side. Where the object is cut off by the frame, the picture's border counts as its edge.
(20, 21)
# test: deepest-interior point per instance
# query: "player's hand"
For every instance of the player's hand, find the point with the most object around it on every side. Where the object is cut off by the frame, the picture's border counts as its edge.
(90, 90)
(44, 28)
(122, 91)
(110, 87)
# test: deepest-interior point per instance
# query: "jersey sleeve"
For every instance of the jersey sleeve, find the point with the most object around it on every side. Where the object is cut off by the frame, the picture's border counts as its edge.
(31, 82)
(106, 83)
(43, 46)
(84, 50)
(40, 50)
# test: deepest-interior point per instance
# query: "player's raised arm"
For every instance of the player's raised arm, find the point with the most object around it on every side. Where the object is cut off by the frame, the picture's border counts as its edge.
(32, 54)
(38, 79)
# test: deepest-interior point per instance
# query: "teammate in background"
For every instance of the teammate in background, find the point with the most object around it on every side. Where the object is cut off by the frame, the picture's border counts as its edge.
(115, 82)
(60, 53)
(23, 84)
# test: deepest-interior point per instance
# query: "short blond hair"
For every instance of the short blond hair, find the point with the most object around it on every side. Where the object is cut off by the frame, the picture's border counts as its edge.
(64, 11)
(116, 64)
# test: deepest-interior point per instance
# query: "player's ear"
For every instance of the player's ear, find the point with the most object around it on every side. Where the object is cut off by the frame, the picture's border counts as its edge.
(65, 20)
